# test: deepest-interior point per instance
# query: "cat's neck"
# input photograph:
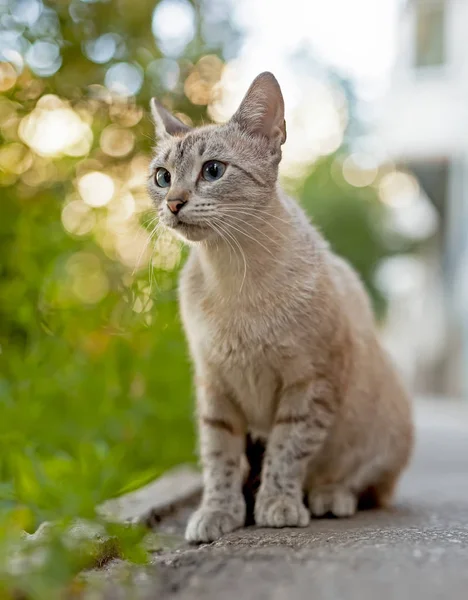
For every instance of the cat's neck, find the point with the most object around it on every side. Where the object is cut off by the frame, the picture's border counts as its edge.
(252, 246)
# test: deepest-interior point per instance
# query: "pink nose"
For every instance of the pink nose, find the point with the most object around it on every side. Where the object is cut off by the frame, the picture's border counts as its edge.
(175, 205)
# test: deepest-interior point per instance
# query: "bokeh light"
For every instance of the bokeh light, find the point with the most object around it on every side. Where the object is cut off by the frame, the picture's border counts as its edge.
(124, 112)
(411, 214)
(173, 25)
(102, 49)
(134, 249)
(44, 58)
(53, 128)
(201, 81)
(121, 209)
(26, 12)
(124, 79)
(15, 158)
(88, 280)
(165, 71)
(96, 189)
(398, 188)
(78, 218)
(399, 275)
(117, 141)
(359, 170)
(7, 76)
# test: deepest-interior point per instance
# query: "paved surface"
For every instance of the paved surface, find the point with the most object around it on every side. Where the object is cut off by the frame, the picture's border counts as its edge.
(416, 550)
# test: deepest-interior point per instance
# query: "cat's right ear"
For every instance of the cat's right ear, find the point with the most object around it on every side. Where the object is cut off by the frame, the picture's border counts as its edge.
(262, 110)
(165, 122)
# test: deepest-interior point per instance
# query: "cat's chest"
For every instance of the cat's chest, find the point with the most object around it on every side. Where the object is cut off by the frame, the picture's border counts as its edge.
(252, 372)
(246, 352)
(238, 337)
(255, 386)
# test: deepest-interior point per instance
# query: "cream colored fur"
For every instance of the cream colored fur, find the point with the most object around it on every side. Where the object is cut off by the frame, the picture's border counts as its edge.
(280, 331)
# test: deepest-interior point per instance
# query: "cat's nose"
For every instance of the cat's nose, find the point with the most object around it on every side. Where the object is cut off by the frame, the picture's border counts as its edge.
(175, 205)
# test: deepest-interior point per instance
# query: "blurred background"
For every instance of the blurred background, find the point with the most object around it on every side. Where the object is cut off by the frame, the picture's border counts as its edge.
(95, 386)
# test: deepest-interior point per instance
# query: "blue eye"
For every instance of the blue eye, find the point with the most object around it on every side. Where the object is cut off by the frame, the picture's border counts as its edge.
(213, 170)
(162, 177)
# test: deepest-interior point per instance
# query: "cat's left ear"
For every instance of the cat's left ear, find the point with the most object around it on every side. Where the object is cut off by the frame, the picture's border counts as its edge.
(262, 110)
(165, 122)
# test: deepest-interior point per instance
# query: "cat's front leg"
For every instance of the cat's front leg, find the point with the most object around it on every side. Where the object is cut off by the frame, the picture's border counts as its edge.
(304, 417)
(222, 444)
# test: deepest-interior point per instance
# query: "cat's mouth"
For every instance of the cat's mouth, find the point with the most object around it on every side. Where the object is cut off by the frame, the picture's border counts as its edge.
(182, 225)
(190, 230)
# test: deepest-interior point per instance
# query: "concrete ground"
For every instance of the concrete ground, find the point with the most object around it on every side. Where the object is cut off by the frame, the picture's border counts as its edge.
(416, 550)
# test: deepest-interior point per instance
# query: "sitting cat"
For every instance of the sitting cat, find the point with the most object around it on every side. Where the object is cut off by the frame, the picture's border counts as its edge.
(280, 331)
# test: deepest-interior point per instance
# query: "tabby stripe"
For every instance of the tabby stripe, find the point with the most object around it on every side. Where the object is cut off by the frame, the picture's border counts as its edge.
(325, 404)
(252, 177)
(319, 423)
(301, 454)
(185, 144)
(291, 419)
(218, 424)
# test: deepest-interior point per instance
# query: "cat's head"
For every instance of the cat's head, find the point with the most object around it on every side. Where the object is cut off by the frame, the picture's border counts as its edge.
(202, 178)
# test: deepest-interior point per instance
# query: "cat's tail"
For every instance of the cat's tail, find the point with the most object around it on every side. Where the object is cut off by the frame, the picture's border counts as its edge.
(380, 494)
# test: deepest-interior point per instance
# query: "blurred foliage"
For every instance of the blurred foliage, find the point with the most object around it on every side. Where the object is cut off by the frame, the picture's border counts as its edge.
(351, 219)
(95, 385)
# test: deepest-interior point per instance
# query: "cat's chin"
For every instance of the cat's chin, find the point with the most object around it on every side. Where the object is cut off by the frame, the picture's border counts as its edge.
(191, 232)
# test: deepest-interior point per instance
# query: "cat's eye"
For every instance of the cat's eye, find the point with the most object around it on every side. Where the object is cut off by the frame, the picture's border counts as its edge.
(213, 170)
(162, 177)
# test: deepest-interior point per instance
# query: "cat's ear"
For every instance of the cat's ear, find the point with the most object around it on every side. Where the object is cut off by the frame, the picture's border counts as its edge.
(165, 122)
(262, 110)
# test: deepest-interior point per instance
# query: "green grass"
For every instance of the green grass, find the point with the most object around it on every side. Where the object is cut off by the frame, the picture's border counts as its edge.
(95, 399)
(85, 422)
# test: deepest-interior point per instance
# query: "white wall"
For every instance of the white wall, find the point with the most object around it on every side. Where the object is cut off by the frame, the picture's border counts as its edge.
(424, 116)
(425, 113)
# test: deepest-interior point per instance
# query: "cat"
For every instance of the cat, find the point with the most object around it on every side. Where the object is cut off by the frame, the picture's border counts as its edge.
(280, 331)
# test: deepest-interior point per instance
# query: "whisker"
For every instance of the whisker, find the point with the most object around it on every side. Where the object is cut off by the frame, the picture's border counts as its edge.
(227, 233)
(230, 211)
(149, 218)
(257, 229)
(242, 253)
(152, 278)
(249, 236)
(255, 210)
(143, 250)
(231, 247)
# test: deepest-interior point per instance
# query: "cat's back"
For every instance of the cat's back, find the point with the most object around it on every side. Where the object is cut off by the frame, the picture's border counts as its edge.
(350, 291)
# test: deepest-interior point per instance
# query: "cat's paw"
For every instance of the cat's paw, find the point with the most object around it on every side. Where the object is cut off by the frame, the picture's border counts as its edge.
(280, 511)
(337, 502)
(208, 524)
